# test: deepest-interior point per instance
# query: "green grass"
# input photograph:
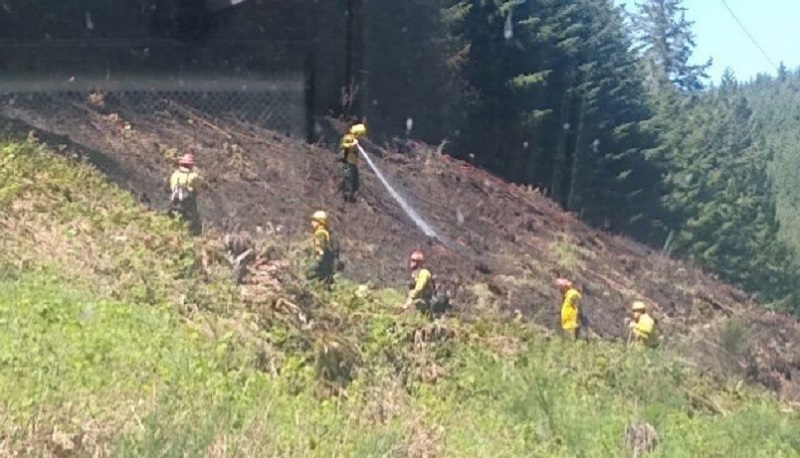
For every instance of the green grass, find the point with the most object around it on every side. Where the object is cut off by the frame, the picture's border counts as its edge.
(569, 256)
(106, 356)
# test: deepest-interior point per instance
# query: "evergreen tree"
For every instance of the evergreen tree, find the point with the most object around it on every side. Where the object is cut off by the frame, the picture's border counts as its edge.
(506, 68)
(560, 104)
(666, 42)
(414, 64)
(608, 166)
(776, 106)
(720, 194)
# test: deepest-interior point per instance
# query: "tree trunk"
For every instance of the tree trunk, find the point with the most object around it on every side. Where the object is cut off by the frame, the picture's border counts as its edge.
(310, 73)
(532, 156)
(560, 161)
(354, 43)
(572, 199)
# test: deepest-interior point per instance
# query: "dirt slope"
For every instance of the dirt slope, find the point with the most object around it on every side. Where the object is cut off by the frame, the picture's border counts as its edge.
(503, 244)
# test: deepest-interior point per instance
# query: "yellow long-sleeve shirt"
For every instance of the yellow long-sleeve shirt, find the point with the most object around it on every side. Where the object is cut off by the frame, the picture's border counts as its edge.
(644, 330)
(322, 241)
(570, 310)
(423, 284)
(185, 178)
(349, 149)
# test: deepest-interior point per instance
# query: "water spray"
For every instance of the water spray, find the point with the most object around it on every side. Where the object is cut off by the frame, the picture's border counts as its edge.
(424, 227)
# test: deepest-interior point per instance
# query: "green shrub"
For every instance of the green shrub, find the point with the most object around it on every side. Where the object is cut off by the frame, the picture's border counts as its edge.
(111, 344)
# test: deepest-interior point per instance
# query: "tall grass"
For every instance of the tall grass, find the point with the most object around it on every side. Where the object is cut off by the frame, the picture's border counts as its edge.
(135, 353)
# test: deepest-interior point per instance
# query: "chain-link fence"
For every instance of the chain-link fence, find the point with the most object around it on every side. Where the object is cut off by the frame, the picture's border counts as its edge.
(275, 104)
(259, 83)
(247, 64)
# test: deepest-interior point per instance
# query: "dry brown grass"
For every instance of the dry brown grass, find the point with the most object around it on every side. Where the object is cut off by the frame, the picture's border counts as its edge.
(640, 439)
(485, 300)
(425, 441)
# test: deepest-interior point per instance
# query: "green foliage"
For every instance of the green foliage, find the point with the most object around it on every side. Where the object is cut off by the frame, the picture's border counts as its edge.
(613, 121)
(568, 256)
(609, 118)
(719, 195)
(64, 348)
(110, 371)
(666, 42)
(544, 404)
(70, 218)
(559, 103)
(413, 67)
(163, 389)
(775, 106)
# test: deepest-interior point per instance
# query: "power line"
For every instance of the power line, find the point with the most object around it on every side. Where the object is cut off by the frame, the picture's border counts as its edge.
(755, 42)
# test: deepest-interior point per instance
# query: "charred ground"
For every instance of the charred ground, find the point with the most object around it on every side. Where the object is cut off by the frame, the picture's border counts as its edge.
(503, 244)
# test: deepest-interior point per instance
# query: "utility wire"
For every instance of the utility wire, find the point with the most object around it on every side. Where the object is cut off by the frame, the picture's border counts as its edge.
(755, 42)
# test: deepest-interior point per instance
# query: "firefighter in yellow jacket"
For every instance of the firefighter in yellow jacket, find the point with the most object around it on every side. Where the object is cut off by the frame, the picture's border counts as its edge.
(570, 308)
(642, 327)
(183, 185)
(422, 293)
(322, 263)
(349, 146)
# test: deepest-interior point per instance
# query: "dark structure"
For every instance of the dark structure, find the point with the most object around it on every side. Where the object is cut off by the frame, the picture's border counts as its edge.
(275, 62)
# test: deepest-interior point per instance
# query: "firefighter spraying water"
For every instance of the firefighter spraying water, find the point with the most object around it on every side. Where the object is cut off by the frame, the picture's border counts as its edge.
(351, 148)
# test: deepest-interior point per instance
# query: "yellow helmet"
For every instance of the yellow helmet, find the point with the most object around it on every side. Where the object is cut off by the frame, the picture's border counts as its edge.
(348, 141)
(320, 217)
(359, 130)
(638, 306)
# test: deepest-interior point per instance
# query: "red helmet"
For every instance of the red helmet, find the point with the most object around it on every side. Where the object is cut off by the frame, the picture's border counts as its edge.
(417, 256)
(186, 159)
